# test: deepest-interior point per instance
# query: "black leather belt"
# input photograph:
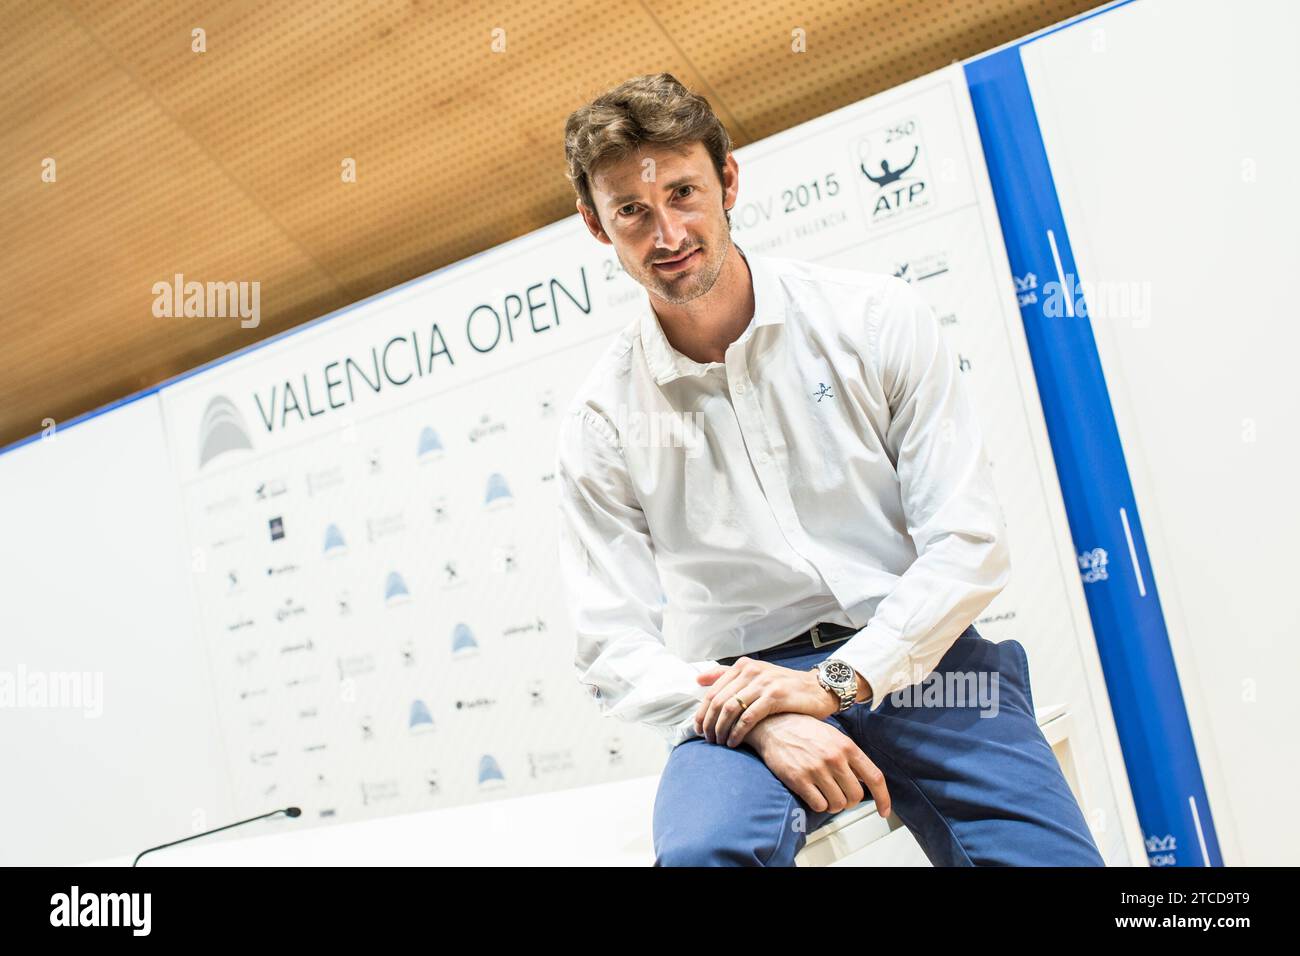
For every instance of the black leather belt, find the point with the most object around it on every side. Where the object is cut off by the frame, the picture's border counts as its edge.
(819, 635)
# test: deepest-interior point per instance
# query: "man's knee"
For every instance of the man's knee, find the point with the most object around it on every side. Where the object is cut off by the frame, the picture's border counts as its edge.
(715, 849)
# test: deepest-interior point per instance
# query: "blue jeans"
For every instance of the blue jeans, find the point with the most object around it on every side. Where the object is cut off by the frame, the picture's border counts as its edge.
(973, 790)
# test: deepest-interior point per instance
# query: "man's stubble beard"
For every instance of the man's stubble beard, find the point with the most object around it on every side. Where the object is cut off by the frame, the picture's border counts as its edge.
(698, 284)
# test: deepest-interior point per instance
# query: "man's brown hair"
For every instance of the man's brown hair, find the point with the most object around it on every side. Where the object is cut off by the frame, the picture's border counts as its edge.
(651, 109)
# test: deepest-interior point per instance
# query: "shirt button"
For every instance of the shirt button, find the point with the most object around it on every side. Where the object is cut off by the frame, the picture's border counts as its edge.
(740, 388)
(762, 459)
(835, 577)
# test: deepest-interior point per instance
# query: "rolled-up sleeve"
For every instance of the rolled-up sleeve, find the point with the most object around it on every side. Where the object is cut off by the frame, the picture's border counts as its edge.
(953, 514)
(613, 589)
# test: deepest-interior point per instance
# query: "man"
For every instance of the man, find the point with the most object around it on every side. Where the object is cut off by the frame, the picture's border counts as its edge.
(776, 510)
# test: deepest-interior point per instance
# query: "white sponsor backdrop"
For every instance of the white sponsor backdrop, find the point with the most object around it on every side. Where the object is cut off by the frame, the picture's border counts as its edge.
(423, 660)
(1191, 202)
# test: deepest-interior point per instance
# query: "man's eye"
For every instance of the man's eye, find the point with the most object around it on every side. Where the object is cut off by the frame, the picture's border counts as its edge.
(688, 187)
(622, 208)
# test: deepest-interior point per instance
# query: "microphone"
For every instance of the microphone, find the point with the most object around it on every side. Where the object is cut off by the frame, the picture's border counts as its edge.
(287, 811)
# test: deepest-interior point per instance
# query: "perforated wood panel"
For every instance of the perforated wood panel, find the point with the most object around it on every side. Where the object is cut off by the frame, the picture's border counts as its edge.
(226, 165)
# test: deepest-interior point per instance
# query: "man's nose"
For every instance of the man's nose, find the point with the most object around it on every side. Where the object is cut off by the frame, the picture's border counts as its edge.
(669, 231)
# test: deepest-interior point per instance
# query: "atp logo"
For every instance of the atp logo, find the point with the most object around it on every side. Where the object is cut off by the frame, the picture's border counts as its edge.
(895, 174)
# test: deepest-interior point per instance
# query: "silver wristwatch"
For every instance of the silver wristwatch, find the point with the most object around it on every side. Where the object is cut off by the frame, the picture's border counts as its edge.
(840, 679)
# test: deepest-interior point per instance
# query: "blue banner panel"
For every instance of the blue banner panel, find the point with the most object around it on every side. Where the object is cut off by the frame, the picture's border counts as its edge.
(1132, 640)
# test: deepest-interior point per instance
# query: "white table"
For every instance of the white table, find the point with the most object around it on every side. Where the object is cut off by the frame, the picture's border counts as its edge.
(604, 825)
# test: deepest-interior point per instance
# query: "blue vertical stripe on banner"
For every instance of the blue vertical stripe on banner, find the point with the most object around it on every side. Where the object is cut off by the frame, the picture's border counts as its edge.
(1132, 641)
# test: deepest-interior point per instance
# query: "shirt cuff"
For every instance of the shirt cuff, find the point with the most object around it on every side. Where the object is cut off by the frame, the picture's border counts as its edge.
(682, 732)
(881, 658)
(685, 729)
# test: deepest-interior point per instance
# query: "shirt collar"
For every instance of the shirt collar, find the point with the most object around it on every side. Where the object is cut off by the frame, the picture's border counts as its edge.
(666, 363)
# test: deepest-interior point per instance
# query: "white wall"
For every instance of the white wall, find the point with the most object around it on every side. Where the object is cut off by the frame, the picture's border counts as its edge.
(94, 581)
(1172, 132)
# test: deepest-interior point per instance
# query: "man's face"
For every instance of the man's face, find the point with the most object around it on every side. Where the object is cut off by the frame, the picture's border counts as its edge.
(659, 205)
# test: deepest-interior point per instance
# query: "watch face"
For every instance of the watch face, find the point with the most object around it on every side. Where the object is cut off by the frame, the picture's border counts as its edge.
(838, 673)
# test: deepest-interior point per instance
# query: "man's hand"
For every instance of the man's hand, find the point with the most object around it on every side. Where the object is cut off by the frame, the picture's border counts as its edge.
(818, 762)
(766, 689)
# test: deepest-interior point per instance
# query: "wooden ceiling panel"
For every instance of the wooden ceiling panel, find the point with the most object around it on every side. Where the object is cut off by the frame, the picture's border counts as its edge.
(226, 165)
(415, 95)
(853, 49)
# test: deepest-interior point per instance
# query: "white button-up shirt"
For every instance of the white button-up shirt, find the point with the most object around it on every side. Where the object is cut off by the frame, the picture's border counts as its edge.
(830, 469)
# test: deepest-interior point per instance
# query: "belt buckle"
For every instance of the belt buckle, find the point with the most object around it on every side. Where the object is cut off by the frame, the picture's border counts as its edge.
(815, 632)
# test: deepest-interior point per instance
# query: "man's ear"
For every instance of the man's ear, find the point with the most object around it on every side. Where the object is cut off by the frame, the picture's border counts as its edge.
(731, 171)
(592, 222)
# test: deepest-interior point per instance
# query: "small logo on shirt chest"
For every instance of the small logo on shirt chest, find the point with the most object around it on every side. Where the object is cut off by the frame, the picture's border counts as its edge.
(823, 391)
